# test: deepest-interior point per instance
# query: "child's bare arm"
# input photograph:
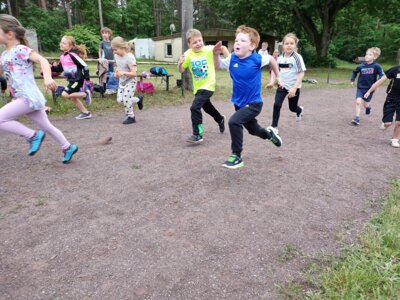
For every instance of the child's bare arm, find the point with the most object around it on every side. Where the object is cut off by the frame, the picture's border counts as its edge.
(45, 66)
(181, 60)
(293, 89)
(375, 86)
(275, 75)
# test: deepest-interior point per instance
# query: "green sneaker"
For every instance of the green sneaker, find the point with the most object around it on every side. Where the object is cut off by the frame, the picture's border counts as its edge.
(233, 162)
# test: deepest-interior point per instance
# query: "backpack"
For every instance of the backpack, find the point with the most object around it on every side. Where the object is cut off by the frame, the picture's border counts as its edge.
(160, 71)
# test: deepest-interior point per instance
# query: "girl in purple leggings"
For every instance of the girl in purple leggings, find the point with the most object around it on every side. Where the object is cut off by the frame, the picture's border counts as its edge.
(16, 63)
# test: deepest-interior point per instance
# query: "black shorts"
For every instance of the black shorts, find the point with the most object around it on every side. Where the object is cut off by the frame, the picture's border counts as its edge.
(74, 87)
(391, 106)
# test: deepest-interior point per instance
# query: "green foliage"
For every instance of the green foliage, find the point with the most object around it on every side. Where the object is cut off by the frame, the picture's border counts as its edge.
(49, 25)
(86, 36)
(370, 270)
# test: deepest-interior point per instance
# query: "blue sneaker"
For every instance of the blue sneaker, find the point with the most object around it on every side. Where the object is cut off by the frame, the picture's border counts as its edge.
(36, 142)
(69, 153)
(59, 90)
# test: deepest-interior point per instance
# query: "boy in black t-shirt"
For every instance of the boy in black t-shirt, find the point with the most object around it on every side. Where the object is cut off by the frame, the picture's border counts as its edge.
(392, 103)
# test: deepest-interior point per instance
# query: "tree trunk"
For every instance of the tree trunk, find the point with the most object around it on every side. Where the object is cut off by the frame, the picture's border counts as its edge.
(9, 7)
(67, 9)
(101, 14)
(42, 4)
(187, 23)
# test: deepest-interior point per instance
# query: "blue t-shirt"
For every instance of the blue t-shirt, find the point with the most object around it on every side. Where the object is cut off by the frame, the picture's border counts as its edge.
(246, 77)
(368, 75)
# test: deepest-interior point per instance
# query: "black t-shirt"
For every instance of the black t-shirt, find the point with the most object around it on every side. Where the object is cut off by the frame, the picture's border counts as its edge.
(393, 74)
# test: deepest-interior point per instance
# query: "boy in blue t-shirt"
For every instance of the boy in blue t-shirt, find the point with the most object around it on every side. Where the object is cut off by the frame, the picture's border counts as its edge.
(369, 71)
(244, 67)
(392, 103)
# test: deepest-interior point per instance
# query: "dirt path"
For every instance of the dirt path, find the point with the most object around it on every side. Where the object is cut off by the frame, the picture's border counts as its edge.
(150, 217)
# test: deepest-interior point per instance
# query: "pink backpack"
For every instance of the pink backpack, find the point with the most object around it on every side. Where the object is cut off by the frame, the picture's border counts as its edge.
(145, 87)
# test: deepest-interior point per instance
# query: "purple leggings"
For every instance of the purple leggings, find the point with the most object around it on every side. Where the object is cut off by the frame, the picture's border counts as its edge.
(19, 107)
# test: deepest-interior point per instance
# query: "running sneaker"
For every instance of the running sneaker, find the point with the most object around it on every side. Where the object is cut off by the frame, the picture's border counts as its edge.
(395, 143)
(129, 120)
(140, 102)
(68, 153)
(59, 90)
(300, 115)
(382, 127)
(194, 139)
(233, 162)
(355, 121)
(275, 138)
(222, 125)
(83, 116)
(36, 142)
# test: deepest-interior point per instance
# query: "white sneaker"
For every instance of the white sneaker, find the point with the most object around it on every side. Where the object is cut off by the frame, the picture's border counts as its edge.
(382, 127)
(298, 117)
(395, 143)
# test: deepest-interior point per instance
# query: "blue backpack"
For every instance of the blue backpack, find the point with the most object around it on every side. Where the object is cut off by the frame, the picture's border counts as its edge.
(158, 71)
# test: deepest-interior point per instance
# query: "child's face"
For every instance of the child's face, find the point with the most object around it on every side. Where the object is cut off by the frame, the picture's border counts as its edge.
(369, 56)
(119, 51)
(243, 46)
(3, 37)
(289, 45)
(65, 45)
(105, 36)
(196, 43)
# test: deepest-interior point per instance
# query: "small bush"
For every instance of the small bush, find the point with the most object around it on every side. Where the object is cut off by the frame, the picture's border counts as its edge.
(87, 36)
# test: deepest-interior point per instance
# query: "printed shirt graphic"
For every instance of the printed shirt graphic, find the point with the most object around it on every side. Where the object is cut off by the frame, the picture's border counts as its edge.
(124, 64)
(289, 67)
(246, 77)
(201, 66)
(72, 71)
(369, 73)
(18, 70)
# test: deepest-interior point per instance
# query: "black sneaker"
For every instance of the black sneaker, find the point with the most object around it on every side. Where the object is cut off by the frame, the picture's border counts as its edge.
(129, 120)
(368, 110)
(233, 162)
(140, 102)
(275, 138)
(222, 125)
(194, 139)
(355, 122)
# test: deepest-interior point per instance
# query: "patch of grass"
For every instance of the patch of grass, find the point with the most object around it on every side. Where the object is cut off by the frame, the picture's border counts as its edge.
(370, 270)
(41, 201)
(290, 290)
(289, 252)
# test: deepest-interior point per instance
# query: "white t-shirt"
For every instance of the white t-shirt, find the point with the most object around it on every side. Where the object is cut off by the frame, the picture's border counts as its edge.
(289, 67)
(124, 64)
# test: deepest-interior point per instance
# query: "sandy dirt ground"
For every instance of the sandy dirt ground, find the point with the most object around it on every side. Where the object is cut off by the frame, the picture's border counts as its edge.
(149, 216)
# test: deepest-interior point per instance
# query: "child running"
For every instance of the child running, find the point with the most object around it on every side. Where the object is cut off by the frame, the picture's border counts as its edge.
(16, 62)
(200, 61)
(369, 71)
(291, 67)
(392, 103)
(244, 67)
(126, 73)
(77, 73)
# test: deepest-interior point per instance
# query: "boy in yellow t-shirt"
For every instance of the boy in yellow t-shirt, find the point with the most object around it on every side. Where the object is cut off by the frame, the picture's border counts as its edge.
(200, 61)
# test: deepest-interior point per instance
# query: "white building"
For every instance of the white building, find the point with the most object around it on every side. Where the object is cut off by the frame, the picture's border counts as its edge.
(144, 48)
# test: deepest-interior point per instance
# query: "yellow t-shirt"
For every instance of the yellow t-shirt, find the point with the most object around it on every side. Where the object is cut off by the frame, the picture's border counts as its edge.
(201, 66)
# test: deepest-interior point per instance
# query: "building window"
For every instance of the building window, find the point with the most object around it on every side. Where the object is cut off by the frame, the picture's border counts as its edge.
(168, 50)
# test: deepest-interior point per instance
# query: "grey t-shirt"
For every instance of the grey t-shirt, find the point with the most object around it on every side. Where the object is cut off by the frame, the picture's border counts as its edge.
(124, 64)
(107, 52)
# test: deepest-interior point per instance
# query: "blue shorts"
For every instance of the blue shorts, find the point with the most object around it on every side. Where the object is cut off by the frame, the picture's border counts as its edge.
(361, 93)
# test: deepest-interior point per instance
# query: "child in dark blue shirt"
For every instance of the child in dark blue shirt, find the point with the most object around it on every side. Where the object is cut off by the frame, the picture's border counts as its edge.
(392, 103)
(369, 72)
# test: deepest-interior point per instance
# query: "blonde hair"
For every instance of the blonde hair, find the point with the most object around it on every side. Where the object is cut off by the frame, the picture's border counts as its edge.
(107, 30)
(119, 43)
(253, 34)
(9, 23)
(80, 49)
(375, 51)
(192, 32)
(291, 35)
